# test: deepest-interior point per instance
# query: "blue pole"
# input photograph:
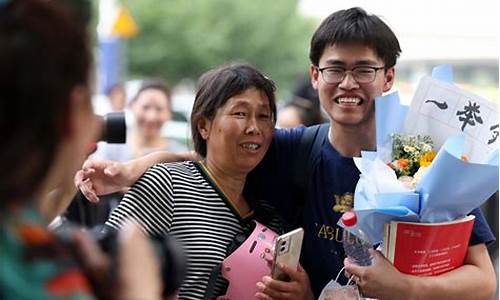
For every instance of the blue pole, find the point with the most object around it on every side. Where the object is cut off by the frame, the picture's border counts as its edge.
(111, 62)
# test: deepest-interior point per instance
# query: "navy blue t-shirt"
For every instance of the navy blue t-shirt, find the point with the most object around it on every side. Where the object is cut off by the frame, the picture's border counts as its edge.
(329, 193)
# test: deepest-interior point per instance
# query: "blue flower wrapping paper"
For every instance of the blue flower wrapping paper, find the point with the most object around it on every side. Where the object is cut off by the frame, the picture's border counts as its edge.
(451, 187)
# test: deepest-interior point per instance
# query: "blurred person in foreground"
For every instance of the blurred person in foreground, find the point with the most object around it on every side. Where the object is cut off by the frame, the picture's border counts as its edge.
(202, 203)
(353, 56)
(47, 124)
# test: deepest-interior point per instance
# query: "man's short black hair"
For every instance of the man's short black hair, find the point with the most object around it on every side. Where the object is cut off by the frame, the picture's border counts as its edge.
(354, 25)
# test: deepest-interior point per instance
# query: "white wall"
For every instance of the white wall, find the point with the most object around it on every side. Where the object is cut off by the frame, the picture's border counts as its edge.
(429, 29)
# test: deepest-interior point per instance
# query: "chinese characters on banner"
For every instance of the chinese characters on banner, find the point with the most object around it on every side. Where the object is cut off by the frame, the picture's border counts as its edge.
(442, 110)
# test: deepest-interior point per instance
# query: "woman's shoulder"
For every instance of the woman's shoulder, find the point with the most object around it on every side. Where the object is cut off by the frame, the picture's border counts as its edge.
(184, 168)
(172, 174)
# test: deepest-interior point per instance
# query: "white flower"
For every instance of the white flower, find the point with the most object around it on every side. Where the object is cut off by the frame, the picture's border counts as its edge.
(409, 149)
(419, 175)
(426, 148)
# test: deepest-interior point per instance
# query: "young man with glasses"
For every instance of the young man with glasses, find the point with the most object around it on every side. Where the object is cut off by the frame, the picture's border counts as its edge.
(352, 55)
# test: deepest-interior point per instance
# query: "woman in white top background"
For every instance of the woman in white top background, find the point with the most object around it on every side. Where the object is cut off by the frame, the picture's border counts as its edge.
(151, 109)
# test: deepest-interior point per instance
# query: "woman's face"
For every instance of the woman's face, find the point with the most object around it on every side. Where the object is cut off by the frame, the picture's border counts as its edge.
(151, 111)
(240, 133)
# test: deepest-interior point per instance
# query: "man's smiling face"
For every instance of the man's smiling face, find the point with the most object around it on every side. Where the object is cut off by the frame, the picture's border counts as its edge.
(349, 103)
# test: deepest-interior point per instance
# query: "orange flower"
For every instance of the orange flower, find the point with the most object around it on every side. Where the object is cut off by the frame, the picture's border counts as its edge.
(402, 163)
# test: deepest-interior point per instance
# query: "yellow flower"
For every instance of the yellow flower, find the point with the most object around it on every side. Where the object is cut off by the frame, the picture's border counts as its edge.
(427, 158)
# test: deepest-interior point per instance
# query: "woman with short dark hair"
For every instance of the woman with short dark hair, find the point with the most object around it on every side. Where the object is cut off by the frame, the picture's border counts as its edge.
(202, 203)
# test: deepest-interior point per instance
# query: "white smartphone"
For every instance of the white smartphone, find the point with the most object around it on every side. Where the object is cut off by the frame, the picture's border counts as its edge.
(287, 251)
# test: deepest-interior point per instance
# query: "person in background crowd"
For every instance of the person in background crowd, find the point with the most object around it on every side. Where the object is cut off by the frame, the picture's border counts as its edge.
(151, 108)
(117, 96)
(151, 111)
(303, 109)
(298, 112)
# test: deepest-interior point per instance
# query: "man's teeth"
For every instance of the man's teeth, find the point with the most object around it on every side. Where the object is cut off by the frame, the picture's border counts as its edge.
(251, 146)
(348, 100)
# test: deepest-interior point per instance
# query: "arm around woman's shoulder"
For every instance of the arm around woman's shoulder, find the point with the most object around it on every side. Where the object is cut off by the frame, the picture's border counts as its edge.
(150, 202)
(102, 177)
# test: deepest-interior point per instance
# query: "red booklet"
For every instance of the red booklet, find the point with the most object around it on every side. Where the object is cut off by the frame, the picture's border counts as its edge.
(427, 248)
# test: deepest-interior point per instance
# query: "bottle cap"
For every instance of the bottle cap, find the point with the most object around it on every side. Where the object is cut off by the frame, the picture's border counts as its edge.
(349, 218)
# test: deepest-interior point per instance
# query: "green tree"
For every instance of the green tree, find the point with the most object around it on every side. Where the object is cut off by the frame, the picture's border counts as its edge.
(183, 38)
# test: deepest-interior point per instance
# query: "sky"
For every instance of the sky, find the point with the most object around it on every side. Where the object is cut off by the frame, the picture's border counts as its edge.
(435, 29)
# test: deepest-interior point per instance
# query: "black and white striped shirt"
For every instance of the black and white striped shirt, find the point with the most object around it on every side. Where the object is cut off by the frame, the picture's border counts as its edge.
(181, 199)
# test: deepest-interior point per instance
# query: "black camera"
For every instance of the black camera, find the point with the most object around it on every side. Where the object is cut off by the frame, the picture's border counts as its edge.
(169, 253)
(114, 129)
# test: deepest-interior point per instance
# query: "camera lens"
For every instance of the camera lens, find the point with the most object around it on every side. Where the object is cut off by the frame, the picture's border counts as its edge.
(115, 128)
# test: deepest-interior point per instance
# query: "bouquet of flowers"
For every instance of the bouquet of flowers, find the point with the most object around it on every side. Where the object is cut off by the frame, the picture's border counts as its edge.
(411, 157)
(420, 174)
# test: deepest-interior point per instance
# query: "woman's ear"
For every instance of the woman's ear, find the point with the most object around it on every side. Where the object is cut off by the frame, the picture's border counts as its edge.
(203, 125)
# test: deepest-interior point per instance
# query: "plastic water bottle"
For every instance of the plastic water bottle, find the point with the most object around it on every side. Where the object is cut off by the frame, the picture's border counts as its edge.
(355, 244)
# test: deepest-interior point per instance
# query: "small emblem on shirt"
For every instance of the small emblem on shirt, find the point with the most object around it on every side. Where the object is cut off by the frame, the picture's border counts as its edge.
(343, 202)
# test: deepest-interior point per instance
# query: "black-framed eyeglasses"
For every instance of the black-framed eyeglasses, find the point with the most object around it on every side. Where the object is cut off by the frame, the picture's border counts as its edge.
(362, 74)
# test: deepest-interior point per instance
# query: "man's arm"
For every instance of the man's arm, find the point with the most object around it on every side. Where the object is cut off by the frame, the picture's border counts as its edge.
(106, 177)
(474, 280)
